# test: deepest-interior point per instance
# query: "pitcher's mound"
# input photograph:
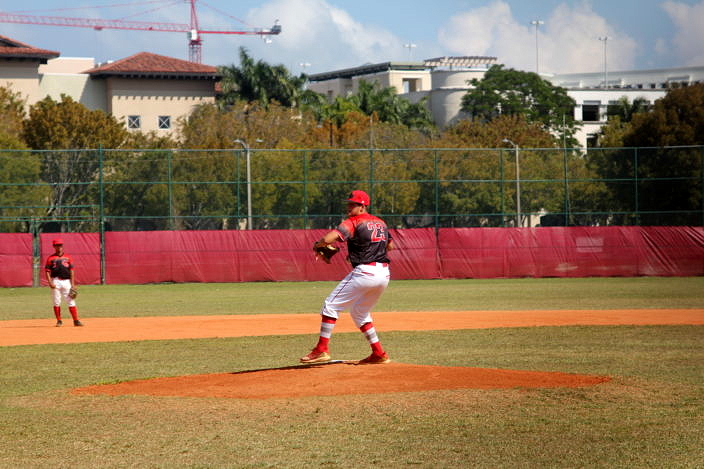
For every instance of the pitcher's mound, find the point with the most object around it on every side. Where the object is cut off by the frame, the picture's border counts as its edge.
(341, 378)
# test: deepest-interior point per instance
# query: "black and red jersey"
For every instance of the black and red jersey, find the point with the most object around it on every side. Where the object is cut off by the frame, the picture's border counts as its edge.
(59, 266)
(367, 237)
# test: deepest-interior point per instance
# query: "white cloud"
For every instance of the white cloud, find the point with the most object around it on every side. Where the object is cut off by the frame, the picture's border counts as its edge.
(315, 32)
(567, 42)
(687, 42)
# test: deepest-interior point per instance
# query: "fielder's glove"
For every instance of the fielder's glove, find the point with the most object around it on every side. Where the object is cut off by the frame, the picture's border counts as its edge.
(73, 293)
(324, 251)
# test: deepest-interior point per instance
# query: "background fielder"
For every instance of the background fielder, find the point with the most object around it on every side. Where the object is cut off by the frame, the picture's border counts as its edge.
(368, 241)
(59, 275)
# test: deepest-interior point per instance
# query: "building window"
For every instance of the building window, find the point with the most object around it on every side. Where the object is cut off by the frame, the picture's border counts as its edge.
(590, 112)
(411, 85)
(164, 122)
(592, 140)
(134, 122)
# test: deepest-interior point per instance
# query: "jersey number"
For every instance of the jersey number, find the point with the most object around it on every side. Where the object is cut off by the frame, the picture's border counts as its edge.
(377, 230)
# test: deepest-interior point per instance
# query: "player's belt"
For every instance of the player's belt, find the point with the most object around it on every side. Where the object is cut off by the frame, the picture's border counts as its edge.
(381, 264)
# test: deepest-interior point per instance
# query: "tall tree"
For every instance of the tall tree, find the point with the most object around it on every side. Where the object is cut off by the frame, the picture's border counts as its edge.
(11, 113)
(76, 131)
(512, 92)
(257, 81)
(664, 183)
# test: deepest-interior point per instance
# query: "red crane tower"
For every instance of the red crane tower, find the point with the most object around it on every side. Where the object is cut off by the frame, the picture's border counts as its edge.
(195, 42)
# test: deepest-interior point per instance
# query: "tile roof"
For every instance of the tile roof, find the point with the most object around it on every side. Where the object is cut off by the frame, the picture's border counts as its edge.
(146, 64)
(11, 49)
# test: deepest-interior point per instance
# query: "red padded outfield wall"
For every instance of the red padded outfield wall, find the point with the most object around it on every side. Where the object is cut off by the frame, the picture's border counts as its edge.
(571, 251)
(15, 260)
(286, 255)
(84, 249)
(247, 256)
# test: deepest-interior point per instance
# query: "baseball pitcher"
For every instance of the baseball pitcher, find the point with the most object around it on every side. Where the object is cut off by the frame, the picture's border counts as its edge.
(368, 241)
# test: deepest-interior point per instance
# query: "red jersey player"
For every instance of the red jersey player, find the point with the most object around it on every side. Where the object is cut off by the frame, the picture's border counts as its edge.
(59, 275)
(368, 241)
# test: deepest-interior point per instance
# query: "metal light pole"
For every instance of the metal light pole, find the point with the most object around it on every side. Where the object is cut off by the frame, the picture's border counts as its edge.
(410, 48)
(536, 23)
(518, 183)
(605, 39)
(249, 182)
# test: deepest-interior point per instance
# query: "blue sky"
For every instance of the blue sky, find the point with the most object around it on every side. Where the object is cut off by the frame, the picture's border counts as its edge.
(330, 34)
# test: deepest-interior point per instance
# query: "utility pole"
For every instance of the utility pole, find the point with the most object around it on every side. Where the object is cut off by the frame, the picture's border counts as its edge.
(605, 39)
(536, 23)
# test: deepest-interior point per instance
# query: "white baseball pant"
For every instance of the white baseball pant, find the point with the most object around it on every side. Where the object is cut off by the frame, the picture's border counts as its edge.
(61, 290)
(358, 292)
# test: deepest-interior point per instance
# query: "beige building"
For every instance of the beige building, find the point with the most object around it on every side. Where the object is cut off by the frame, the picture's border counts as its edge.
(19, 68)
(443, 80)
(148, 92)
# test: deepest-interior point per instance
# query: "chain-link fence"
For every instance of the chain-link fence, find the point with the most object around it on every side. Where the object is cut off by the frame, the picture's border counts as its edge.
(128, 190)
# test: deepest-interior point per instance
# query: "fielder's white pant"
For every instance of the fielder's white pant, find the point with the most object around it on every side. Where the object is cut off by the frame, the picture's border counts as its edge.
(358, 292)
(60, 290)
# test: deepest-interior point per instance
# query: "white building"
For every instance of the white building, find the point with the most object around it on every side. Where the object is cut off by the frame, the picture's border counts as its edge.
(444, 80)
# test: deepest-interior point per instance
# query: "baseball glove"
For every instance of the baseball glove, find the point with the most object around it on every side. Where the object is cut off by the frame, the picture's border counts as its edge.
(73, 293)
(324, 251)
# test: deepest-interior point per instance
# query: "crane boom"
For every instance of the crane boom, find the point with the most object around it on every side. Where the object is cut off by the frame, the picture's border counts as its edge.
(194, 32)
(93, 23)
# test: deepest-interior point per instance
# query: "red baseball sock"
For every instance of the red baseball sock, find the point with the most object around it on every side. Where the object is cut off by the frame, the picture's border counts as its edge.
(57, 312)
(74, 312)
(370, 333)
(326, 326)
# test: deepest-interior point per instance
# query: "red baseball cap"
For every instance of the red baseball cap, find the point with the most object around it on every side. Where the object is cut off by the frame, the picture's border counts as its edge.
(359, 197)
(57, 241)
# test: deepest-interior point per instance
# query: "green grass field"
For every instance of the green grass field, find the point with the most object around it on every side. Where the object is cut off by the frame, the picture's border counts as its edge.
(650, 415)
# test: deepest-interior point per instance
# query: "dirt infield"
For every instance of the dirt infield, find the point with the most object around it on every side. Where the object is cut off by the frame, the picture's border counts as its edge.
(333, 379)
(41, 331)
(340, 379)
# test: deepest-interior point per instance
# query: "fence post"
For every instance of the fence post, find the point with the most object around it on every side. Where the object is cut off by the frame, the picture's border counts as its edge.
(236, 156)
(305, 190)
(371, 174)
(502, 192)
(635, 184)
(36, 251)
(170, 189)
(437, 190)
(101, 214)
(567, 188)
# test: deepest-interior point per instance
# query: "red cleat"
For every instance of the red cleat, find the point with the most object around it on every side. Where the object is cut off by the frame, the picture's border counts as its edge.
(316, 357)
(375, 359)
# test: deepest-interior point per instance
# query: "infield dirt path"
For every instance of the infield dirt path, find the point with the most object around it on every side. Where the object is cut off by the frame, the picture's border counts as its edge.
(42, 331)
(333, 379)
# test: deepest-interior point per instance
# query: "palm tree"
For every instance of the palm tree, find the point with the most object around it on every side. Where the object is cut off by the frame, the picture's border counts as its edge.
(257, 81)
(625, 109)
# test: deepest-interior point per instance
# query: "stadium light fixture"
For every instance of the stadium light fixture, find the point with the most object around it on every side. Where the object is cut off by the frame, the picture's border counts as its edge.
(605, 39)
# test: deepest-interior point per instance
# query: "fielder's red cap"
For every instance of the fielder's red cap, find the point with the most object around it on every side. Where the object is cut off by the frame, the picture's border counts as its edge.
(359, 197)
(57, 241)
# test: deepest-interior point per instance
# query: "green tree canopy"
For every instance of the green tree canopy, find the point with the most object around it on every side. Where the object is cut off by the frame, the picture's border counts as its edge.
(11, 113)
(71, 127)
(666, 185)
(513, 92)
(257, 81)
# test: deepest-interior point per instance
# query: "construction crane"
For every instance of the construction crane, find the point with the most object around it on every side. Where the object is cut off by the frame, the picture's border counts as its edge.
(195, 41)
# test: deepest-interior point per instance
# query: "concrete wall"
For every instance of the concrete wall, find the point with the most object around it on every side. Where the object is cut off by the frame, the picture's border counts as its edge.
(151, 98)
(21, 77)
(80, 87)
